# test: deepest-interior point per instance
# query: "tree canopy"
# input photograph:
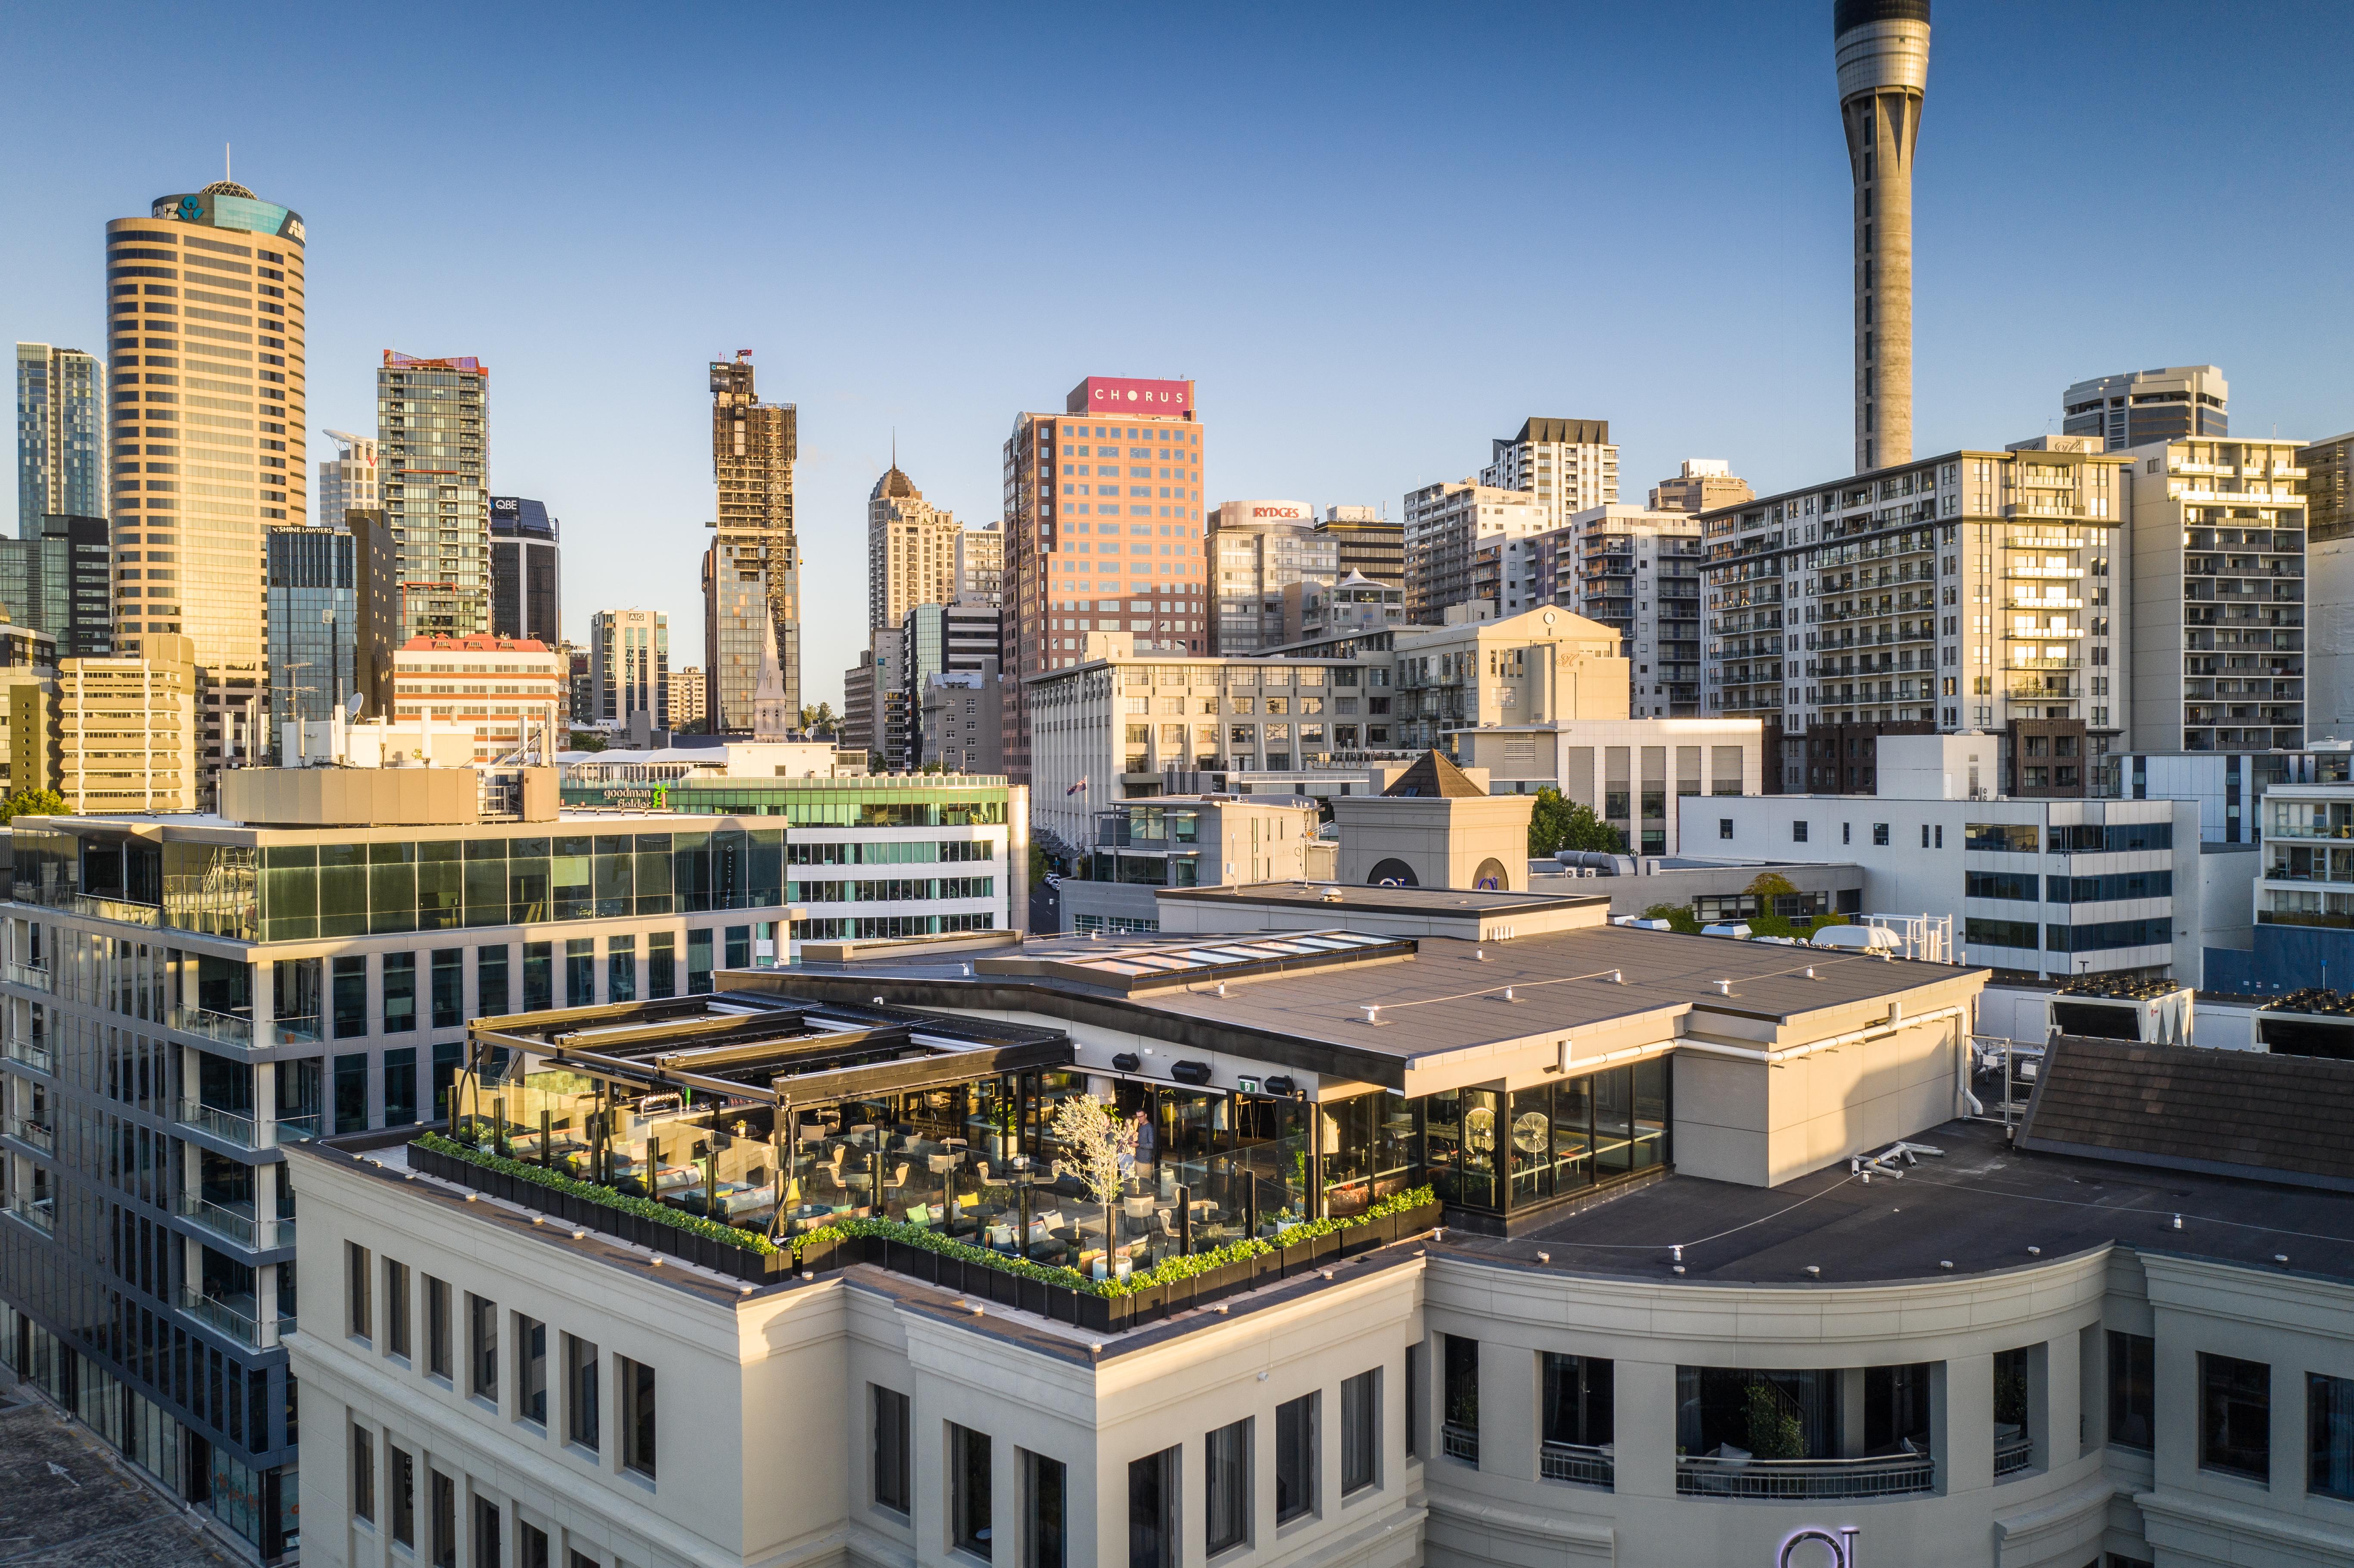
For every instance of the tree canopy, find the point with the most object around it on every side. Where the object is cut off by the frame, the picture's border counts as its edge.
(1558, 824)
(33, 803)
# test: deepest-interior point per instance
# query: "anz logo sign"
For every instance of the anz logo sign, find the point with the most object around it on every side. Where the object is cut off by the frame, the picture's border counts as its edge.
(1815, 1547)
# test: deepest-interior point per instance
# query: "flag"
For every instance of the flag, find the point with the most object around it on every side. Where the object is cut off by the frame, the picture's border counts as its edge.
(1076, 788)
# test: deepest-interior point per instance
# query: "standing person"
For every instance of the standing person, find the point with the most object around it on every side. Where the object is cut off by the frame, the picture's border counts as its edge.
(1144, 1142)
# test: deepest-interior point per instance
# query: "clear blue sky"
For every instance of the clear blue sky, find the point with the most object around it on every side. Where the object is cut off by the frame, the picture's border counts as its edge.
(1376, 235)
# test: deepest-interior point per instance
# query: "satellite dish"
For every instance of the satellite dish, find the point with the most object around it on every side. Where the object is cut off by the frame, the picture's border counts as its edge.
(354, 702)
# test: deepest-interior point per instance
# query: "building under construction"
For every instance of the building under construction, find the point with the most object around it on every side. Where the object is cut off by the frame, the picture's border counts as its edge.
(751, 574)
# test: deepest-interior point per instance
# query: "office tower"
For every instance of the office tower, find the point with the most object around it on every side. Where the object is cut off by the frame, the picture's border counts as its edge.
(1103, 532)
(2219, 596)
(2328, 486)
(980, 564)
(29, 658)
(60, 436)
(936, 638)
(376, 564)
(1968, 591)
(351, 479)
(580, 686)
(1256, 549)
(911, 550)
(315, 631)
(957, 720)
(526, 579)
(2141, 407)
(1365, 543)
(206, 303)
(865, 695)
(686, 700)
(113, 735)
(502, 693)
(629, 664)
(1566, 465)
(57, 580)
(1446, 525)
(1637, 572)
(751, 573)
(1703, 485)
(1883, 72)
(433, 427)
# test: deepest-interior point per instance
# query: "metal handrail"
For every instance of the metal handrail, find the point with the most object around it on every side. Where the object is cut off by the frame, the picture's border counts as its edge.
(225, 1125)
(226, 1319)
(33, 1056)
(2013, 1455)
(225, 1027)
(36, 975)
(39, 1213)
(1590, 1467)
(1711, 1476)
(1459, 1442)
(39, 1135)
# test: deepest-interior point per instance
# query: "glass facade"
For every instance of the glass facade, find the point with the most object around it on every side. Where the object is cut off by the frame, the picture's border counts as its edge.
(432, 421)
(315, 623)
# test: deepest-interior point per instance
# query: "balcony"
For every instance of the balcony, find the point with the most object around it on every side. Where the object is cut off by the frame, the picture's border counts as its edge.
(35, 976)
(1737, 1474)
(2039, 574)
(92, 906)
(236, 1029)
(31, 1055)
(1459, 1442)
(228, 1126)
(1577, 1464)
(41, 1213)
(234, 1318)
(2040, 634)
(35, 1135)
(2013, 1452)
(2032, 604)
(237, 1222)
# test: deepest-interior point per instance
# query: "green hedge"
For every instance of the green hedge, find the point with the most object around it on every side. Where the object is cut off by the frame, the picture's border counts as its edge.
(1167, 1271)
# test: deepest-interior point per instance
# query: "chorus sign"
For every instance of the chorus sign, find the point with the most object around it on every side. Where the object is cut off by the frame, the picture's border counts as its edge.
(1124, 395)
(1815, 1547)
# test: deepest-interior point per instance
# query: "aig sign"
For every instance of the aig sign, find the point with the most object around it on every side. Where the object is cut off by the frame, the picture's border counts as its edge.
(1815, 1547)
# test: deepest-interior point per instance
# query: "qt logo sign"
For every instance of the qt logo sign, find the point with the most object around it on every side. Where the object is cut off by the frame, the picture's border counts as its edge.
(1817, 1548)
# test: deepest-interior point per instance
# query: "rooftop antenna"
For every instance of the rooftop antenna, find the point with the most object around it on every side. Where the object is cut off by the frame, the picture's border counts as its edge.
(225, 172)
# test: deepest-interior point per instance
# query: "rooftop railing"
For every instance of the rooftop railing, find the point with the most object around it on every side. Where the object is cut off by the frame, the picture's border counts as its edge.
(41, 1213)
(34, 975)
(1459, 1442)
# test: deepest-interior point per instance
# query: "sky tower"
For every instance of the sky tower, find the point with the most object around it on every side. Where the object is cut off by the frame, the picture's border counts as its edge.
(1883, 73)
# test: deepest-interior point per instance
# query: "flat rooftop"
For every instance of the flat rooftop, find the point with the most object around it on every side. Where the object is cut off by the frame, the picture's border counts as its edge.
(1384, 900)
(1981, 1208)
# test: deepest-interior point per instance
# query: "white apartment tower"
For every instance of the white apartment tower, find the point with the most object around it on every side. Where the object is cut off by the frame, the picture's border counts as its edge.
(1566, 465)
(348, 482)
(433, 421)
(911, 550)
(980, 564)
(1446, 527)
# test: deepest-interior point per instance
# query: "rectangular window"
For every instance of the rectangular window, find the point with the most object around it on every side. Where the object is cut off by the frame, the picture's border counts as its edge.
(2133, 1404)
(894, 1474)
(1797, 833)
(531, 1370)
(2330, 1435)
(490, 981)
(621, 968)
(363, 1475)
(580, 1421)
(351, 1093)
(1046, 1508)
(1294, 1458)
(1225, 1488)
(580, 971)
(395, 1308)
(1880, 834)
(1459, 1439)
(531, 1546)
(661, 964)
(1417, 1364)
(1724, 827)
(969, 1495)
(1577, 1392)
(1153, 1501)
(438, 1362)
(445, 1522)
(739, 946)
(2236, 1413)
(481, 1348)
(539, 976)
(1361, 1431)
(400, 1087)
(636, 1416)
(698, 961)
(445, 1076)
(399, 992)
(358, 1263)
(487, 1535)
(351, 996)
(404, 1497)
(450, 987)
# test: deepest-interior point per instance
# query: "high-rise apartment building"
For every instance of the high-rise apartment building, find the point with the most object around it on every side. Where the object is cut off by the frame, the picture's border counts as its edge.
(1446, 525)
(960, 638)
(526, 576)
(2218, 595)
(751, 573)
(1637, 572)
(60, 436)
(502, 693)
(433, 429)
(205, 306)
(980, 564)
(911, 550)
(58, 578)
(1882, 48)
(114, 735)
(1971, 591)
(351, 479)
(1703, 485)
(314, 628)
(1258, 548)
(1566, 466)
(687, 695)
(2327, 487)
(1365, 543)
(1103, 532)
(629, 660)
(2139, 406)
(375, 565)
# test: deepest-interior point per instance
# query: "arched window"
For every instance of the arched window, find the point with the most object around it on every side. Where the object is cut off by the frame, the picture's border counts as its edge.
(1491, 877)
(1393, 872)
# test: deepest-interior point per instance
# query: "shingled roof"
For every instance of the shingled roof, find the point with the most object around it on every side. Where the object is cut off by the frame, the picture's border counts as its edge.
(2229, 1113)
(1432, 776)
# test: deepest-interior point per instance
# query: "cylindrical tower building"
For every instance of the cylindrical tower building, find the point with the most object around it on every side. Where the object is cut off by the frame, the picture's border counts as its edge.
(1883, 73)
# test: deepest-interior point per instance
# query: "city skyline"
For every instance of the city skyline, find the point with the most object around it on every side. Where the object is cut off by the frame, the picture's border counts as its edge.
(1734, 248)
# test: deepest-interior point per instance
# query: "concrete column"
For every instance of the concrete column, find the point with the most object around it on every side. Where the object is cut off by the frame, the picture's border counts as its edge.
(2051, 1400)
(1643, 1403)
(265, 1001)
(1963, 1437)
(1508, 1410)
(1851, 1414)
